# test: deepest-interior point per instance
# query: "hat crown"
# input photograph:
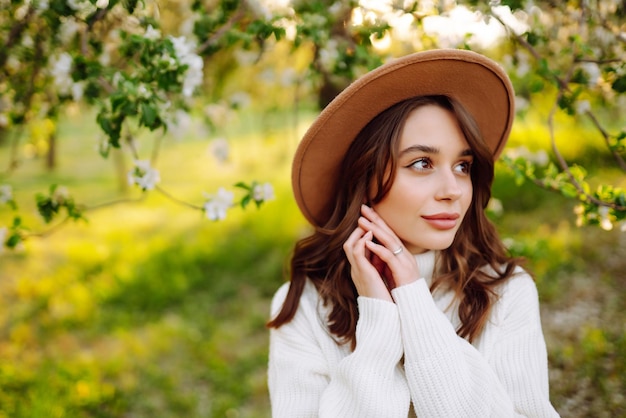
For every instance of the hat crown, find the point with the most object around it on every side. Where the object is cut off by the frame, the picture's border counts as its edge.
(478, 83)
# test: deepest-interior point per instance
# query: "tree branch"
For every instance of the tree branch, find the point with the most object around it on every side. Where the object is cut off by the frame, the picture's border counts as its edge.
(618, 158)
(221, 31)
(14, 35)
(14, 159)
(564, 87)
(176, 200)
(565, 167)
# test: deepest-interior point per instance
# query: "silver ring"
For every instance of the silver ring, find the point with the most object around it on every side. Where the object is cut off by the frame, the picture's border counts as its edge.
(398, 251)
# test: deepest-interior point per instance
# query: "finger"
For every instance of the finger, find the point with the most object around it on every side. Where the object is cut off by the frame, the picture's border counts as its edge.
(383, 233)
(399, 269)
(382, 252)
(366, 278)
(353, 238)
(375, 219)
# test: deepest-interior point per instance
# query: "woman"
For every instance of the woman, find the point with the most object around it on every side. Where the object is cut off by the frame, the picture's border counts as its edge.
(404, 301)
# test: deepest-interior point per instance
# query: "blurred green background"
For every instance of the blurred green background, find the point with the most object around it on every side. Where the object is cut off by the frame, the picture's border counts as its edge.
(150, 310)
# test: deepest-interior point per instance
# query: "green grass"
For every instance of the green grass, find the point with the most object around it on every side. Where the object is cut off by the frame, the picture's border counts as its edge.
(150, 310)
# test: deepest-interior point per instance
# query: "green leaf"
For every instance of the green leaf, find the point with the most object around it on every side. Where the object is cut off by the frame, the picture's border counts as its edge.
(569, 190)
(243, 185)
(148, 115)
(514, 4)
(619, 85)
(532, 38)
(13, 240)
(580, 77)
(47, 208)
(245, 200)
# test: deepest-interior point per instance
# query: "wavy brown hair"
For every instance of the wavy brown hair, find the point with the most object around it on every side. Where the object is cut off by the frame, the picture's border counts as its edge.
(372, 156)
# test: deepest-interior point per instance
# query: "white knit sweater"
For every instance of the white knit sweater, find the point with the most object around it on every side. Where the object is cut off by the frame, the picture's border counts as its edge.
(408, 359)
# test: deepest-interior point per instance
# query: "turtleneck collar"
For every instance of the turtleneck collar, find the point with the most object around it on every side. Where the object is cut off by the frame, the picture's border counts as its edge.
(426, 264)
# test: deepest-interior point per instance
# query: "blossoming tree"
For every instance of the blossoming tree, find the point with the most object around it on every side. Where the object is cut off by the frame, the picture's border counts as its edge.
(116, 57)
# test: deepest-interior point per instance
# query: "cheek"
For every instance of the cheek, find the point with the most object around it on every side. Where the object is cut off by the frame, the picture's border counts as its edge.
(467, 196)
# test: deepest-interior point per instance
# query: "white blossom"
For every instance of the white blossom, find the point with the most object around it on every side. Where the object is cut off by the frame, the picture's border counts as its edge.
(267, 76)
(288, 77)
(193, 75)
(68, 29)
(143, 92)
(605, 222)
(220, 149)
(263, 192)
(182, 47)
(144, 175)
(27, 41)
(20, 12)
(579, 210)
(82, 7)
(4, 232)
(217, 112)
(103, 146)
(187, 25)
(216, 206)
(539, 157)
(329, 54)
(593, 71)
(117, 79)
(521, 103)
(239, 99)
(61, 69)
(179, 123)
(102, 4)
(245, 57)
(336, 9)
(260, 9)
(78, 90)
(522, 68)
(169, 60)
(42, 5)
(6, 193)
(4, 120)
(74, 4)
(583, 106)
(185, 52)
(508, 242)
(152, 34)
(105, 57)
(495, 206)
(13, 63)
(60, 195)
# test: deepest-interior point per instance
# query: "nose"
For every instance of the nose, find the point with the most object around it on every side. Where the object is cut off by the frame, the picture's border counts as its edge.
(449, 187)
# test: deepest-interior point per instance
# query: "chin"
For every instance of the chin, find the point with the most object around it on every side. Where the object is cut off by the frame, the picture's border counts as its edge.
(420, 247)
(441, 243)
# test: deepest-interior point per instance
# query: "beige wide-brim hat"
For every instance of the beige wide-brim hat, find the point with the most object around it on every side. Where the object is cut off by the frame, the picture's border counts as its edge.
(477, 82)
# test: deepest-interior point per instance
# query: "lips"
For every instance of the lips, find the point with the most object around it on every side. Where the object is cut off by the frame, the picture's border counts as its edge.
(442, 221)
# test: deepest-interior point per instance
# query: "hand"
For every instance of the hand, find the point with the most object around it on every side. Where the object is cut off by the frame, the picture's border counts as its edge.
(375, 268)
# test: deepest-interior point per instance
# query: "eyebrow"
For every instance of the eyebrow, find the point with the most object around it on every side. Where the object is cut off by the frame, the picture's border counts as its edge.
(431, 150)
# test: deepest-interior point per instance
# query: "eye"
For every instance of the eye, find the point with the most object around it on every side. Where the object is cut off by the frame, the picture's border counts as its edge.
(463, 167)
(421, 164)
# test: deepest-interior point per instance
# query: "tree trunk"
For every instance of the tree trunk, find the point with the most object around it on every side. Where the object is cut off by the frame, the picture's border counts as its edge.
(51, 158)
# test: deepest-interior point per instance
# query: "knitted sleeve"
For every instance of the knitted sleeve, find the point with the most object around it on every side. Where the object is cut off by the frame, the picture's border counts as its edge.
(308, 377)
(448, 377)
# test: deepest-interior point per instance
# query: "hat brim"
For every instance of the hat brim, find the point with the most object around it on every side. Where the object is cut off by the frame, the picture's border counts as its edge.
(475, 81)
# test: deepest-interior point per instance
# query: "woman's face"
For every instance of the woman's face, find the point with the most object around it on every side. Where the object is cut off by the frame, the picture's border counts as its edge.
(432, 189)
